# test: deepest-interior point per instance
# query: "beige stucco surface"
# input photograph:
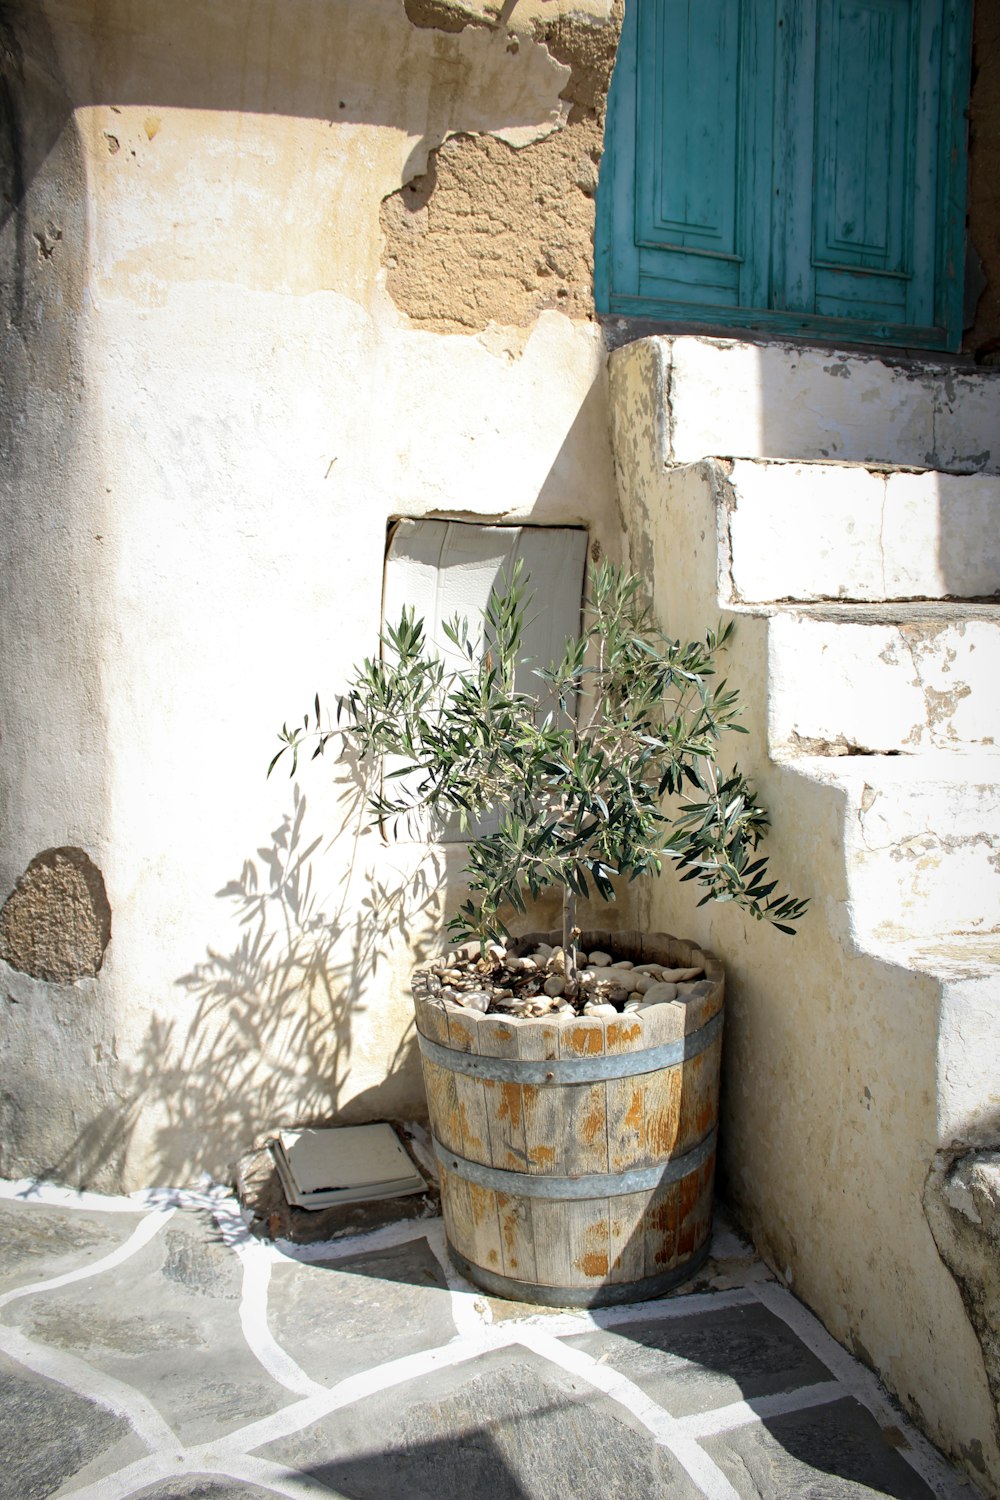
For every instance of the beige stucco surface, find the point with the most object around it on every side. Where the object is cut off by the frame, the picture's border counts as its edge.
(213, 406)
(861, 1056)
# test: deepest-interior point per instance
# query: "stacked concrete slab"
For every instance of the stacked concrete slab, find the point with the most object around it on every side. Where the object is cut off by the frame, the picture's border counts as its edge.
(844, 511)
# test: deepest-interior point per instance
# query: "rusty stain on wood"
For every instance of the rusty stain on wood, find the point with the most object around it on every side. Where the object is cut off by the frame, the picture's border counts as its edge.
(621, 1034)
(592, 1264)
(542, 1156)
(510, 1102)
(584, 1042)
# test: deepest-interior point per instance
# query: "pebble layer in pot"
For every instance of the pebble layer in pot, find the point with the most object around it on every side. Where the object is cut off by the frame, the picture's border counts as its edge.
(572, 1078)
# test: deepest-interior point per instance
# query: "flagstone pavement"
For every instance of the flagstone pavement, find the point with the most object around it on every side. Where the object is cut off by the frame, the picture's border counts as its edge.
(153, 1347)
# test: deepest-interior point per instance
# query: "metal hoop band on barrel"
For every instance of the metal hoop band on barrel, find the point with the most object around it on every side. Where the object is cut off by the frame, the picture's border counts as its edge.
(593, 1185)
(606, 1294)
(573, 1069)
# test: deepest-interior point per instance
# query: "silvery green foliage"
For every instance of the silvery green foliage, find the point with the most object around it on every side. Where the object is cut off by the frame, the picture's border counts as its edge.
(607, 769)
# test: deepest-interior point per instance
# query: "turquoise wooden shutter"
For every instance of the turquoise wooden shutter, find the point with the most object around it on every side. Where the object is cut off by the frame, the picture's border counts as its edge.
(794, 165)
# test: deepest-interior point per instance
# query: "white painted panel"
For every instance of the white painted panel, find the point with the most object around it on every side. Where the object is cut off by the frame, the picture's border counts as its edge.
(444, 568)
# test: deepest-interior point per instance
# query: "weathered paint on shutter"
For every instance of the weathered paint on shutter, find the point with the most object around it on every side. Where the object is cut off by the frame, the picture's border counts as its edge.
(796, 165)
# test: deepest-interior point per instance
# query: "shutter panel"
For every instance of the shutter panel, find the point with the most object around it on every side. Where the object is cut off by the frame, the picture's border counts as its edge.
(702, 81)
(855, 201)
(790, 165)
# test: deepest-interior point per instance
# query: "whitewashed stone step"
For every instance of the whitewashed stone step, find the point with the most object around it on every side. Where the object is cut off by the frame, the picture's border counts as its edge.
(811, 531)
(845, 679)
(785, 401)
(964, 970)
(921, 841)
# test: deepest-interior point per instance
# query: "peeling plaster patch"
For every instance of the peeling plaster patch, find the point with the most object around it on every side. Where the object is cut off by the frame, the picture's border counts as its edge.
(839, 745)
(490, 234)
(588, 50)
(46, 241)
(56, 923)
(448, 15)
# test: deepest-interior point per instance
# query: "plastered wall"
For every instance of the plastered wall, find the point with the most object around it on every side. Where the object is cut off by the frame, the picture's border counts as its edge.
(224, 371)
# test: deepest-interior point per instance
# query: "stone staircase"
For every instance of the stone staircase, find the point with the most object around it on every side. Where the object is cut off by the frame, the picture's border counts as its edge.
(846, 512)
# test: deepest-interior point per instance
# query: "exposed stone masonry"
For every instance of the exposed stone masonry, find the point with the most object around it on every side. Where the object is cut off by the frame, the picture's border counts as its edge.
(56, 923)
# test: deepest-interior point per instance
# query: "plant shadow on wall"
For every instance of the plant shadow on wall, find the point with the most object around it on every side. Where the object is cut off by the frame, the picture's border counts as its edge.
(268, 1043)
(272, 1031)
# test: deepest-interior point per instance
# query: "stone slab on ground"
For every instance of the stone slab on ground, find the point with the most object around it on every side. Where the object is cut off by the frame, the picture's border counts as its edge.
(49, 1435)
(708, 1360)
(331, 1314)
(508, 1425)
(835, 1452)
(175, 1355)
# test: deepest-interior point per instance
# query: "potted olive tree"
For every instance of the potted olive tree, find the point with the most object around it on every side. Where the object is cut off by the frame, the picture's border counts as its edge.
(571, 1077)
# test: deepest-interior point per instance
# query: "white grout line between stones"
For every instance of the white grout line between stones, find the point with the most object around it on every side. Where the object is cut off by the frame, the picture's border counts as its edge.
(92, 1384)
(160, 1468)
(664, 1428)
(276, 1478)
(50, 1195)
(470, 1311)
(220, 1455)
(262, 1344)
(385, 1238)
(80, 1377)
(600, 1319)
(146, 1200)
(704, 1424)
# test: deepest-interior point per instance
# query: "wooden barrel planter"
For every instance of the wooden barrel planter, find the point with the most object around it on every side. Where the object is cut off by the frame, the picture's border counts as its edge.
(577, 1157)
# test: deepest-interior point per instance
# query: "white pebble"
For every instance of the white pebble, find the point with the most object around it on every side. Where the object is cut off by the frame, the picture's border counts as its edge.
(475, 1000)
(632, 1004)
(600, 1010)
